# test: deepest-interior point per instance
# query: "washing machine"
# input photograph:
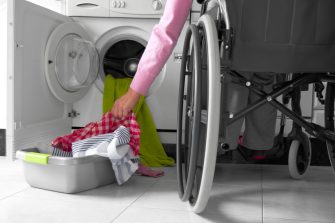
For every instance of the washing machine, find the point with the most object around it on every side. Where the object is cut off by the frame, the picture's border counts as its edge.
(57, 65)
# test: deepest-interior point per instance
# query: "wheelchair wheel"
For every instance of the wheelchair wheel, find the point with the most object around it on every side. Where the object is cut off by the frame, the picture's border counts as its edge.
(299, 157)
(209, 112)
(188, 113)
(329, 121)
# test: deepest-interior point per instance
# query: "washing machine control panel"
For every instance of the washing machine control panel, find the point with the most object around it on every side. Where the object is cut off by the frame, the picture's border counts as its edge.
(118, 4)
(116, 8)
(156, 4)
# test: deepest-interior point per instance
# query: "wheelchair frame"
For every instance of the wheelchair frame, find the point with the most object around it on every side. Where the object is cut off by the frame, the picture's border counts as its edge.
(194, 190)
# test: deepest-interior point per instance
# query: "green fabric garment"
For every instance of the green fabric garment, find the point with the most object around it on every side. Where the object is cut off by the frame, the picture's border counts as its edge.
(152, 152)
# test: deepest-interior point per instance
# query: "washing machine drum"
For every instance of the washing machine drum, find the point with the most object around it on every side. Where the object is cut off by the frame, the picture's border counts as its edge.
(122, 58)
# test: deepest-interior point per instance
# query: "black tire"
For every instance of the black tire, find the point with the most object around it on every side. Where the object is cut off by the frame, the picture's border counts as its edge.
(299, 157)
(329, 121)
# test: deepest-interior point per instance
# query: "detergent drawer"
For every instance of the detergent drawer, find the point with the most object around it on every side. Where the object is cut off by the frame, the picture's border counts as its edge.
(96, 8)
(65, 174)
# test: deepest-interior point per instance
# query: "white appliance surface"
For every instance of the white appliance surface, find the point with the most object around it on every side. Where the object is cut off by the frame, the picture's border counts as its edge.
(123, 23)
(116, 8)
(3, 63)
(54, 5)
(35, 114)
(163, 95)
(196, 7)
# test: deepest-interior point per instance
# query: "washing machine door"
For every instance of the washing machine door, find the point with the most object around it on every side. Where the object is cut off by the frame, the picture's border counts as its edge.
(37, 111)
(71, 62)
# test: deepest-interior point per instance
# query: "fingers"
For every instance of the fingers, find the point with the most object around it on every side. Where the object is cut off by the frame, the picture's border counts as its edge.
(119, 110)
(125, 104)
(115, 110)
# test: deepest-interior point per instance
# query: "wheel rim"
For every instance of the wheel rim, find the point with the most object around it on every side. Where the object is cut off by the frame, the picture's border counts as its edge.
(210, 115)
(203, 182)
(188, 115)
(203, 125)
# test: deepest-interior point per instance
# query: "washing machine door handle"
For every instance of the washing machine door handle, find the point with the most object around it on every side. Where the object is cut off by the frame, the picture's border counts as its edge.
(71, 62)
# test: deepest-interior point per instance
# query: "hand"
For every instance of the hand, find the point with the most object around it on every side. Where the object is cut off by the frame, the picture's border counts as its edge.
(125, 104)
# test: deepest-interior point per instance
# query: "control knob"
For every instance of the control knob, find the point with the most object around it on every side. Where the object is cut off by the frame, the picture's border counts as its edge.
(157, 4)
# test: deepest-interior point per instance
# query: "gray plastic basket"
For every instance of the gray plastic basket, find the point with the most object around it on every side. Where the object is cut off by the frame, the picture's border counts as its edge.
(65, 174)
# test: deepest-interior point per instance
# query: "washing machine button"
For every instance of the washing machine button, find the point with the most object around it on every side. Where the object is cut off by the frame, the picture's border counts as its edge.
(118, 4)
(123, 4)
(157, 5)
(114, 4)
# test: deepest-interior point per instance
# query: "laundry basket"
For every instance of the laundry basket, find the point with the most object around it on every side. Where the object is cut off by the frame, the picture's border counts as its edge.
(65, 174)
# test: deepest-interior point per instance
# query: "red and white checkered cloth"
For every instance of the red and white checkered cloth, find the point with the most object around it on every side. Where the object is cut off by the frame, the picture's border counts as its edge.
(107, 124)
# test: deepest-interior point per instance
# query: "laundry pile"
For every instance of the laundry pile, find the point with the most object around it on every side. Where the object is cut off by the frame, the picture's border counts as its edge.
(107, 124)
(116, 139)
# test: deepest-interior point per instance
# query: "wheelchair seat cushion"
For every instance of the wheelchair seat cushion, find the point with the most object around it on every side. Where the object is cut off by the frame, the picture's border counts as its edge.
(283, 35)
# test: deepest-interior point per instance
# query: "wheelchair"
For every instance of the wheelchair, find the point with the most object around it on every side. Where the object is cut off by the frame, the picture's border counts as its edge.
(292, 39)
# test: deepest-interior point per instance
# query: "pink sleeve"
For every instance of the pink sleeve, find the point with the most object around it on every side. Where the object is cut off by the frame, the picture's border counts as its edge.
(161, 43)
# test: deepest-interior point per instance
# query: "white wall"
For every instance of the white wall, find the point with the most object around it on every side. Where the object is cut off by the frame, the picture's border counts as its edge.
(3, 63)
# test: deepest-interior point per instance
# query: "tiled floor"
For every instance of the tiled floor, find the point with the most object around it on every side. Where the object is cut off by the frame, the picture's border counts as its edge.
(241, 193)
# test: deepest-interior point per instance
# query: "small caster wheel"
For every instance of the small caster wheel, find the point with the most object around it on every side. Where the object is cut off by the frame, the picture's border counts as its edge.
(299, 158)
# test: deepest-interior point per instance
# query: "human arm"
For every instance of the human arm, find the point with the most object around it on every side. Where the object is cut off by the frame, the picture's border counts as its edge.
(160, 45)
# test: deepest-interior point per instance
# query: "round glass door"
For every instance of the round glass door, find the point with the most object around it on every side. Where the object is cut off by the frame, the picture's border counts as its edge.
(76, 63)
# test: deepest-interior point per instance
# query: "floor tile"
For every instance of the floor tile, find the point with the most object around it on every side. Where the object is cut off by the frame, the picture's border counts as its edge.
(235, 200)
(163, 194)
(9, 189)
(309, 205)
(4, 161)
(318, 178)
(11, 178)
(111, 194)
(270, 220)
(170, 173)
(9, 165)
(224, 199)
(35, 210)
(236, 197)
(237, 174)
(147, 215)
